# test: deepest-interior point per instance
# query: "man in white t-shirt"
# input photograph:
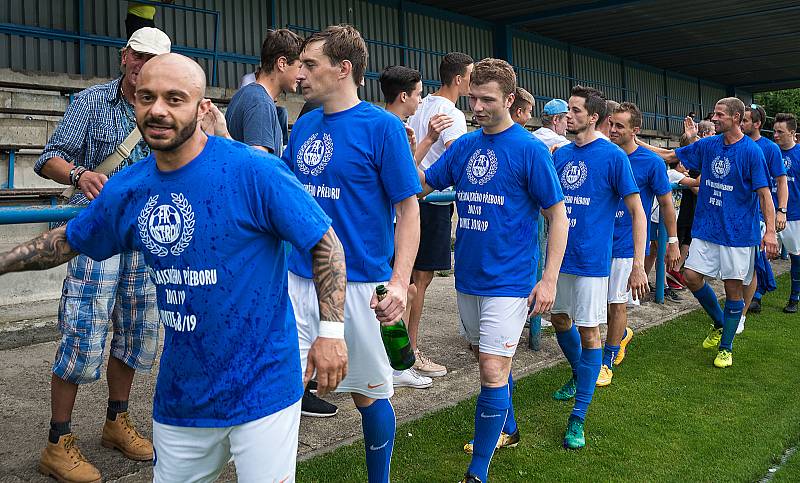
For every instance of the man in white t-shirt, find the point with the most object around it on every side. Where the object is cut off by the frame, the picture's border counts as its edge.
(554, 124)
(435, 219)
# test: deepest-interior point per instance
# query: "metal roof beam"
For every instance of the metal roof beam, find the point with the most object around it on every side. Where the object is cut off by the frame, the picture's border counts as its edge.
(790, 80)
(593, 7)
(725, 60)
(699, 46)
(694, 23)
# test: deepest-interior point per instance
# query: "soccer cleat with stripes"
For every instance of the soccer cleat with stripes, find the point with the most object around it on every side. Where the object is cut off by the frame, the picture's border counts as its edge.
(504, 441)
(604, 379)
(724, 359)
(567, 391)
(574, 438)
(622, 345)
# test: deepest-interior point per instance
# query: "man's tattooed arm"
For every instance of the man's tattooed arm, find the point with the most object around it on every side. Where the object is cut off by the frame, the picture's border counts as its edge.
(48, 250)
(330, 276)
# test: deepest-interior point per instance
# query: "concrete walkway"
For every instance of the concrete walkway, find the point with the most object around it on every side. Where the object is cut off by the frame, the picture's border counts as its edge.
(25, 362)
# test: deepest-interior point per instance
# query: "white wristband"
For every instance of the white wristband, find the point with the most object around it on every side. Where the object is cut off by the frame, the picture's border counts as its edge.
(331, 330)
(672, 239)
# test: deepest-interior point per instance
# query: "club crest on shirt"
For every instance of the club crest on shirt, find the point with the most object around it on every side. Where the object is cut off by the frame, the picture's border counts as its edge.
(168, 227)
(721, 167)
(787, 163)
(314, 154)
(574, 175)
(481, 167)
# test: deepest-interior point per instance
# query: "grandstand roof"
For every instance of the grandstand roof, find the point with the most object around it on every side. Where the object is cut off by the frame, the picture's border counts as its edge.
(752, 44)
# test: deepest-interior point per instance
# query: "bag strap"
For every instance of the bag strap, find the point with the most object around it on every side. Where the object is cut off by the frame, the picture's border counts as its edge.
(114, 159)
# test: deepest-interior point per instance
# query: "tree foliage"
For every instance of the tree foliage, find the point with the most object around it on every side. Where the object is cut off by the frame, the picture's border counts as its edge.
(779, 101)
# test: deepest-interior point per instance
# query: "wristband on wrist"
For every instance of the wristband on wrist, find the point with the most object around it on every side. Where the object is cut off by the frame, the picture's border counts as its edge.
(331, 330)
(75, 175)
(672, 239)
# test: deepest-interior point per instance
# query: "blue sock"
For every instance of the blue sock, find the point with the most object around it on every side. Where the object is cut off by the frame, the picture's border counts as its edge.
(378, 423)
(795, 277)
(757, 296)
(490, 416)
(588, 370)
(570, 343)
(733, 312)
(609, 354)
(708, 299)
(511, 422)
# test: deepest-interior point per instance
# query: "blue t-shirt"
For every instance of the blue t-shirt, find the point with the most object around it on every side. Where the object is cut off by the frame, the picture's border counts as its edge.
(357, 165)
(253, 118)
(501, 181)
(211, 233)
(650, 172)
(791, 161)
(594, 178)
(775, 168)
(727, 205)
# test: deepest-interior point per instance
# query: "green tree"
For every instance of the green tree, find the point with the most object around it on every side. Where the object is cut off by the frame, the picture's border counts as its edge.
(779, 101)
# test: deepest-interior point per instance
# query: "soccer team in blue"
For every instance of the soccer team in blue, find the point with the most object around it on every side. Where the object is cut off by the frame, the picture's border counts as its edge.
(211, 216)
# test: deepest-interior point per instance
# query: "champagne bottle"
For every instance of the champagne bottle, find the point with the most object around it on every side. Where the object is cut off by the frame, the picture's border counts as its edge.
(395, 340)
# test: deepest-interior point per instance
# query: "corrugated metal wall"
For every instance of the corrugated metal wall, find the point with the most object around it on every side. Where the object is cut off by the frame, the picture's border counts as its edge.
(709, 95)
(600, 72)
(38, 55)
(682, 98)
(542, 69)
(649, 84)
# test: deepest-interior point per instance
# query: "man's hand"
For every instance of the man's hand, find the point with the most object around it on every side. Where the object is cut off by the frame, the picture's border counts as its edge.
(673, 256)
(770, 244)
(412, 139)
(213, 122)
(329, 358)
(542, 297)
(690, 127)
(391, 308)
(637, 282)
(91, 183)
(780, 221)
(437, 124)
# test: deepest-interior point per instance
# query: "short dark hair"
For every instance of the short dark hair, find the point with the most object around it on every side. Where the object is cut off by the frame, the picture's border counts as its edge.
(453, 64)
(787, 117)
(343, 42)
(497, 70)
(279, 43)
(733, 106)
(633, 110)
(594, 100)
(521, 99)
(757, 113)
(396, 79)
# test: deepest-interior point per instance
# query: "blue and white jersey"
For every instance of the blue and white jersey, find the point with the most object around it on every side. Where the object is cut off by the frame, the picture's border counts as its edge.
(650, 172)
(727, 205)
(212, 233)
(594, 178)
(501, 181)
(791, 162)
(775, 168)
(357, 164)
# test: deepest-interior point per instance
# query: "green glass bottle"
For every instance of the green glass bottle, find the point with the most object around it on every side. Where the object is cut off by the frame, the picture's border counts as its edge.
(395, 340)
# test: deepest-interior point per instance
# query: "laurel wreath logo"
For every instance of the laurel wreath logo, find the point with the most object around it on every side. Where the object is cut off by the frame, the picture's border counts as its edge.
(721, 167)
(326, 157)
(787, 163)
(144, 234)
(576, 183)
(188, 223)
(489, 173)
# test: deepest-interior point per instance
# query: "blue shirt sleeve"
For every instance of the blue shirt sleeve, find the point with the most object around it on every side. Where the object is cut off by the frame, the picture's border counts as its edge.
(690, 155)
(95, 232)
(543, 183)
(775, 161)
(758, 169)
(397, 169)
(624, 180)
(283, 207)
(439, 175)
(660, 179)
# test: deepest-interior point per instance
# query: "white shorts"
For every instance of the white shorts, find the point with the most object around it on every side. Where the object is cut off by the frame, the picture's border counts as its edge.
(724, 263)
(789, 237)
(494, 324)
(264, 450)
(618, 280)
(368, 369)
(583, 299)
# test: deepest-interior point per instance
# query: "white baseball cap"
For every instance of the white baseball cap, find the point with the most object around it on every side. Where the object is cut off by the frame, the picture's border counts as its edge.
(149, 40)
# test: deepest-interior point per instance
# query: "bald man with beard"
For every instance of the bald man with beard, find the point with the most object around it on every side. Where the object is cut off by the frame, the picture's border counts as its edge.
(204, 211)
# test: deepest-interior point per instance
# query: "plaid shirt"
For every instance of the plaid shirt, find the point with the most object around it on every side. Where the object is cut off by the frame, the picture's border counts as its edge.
(94, 124)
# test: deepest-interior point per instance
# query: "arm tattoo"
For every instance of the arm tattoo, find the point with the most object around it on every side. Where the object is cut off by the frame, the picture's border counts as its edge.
(48, 250)
(330, 276)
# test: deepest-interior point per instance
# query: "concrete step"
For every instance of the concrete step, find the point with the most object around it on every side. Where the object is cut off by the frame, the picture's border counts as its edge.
(24, 176)
(31, 99)
(26, 132)
(28, 323)
(27, 287)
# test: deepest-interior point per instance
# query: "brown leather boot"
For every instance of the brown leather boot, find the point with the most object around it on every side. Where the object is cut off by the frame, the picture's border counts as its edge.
(120, 434)
(65, 462)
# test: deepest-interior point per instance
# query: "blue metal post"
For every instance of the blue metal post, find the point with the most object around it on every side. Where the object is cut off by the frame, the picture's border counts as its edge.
(38, 214)
(81, 42)
(661, 275)
(11, 158)
(535, 328)
(214, 80)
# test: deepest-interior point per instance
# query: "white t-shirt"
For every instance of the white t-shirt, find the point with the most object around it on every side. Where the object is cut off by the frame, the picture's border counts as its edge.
(550, 138)
(430, 106)
(601, 135)
(675, 177)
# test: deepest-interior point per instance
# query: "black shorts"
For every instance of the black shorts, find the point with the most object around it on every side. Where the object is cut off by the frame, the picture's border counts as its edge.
(684, 235)
(434, 240)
